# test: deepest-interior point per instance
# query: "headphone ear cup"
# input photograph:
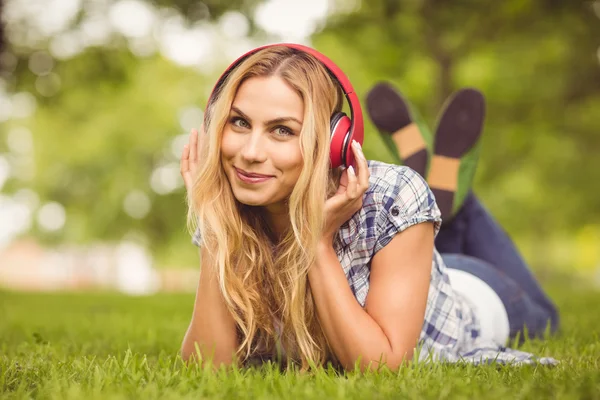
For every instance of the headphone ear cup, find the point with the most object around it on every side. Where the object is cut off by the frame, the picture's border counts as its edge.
(340, 127)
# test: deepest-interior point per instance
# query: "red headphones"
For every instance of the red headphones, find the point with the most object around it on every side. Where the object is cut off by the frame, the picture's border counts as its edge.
(343, 129)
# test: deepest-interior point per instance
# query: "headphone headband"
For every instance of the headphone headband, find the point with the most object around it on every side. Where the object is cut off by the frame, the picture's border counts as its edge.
(356, 129)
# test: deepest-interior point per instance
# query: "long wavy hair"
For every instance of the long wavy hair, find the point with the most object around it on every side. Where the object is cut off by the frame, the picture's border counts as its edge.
(264, 280)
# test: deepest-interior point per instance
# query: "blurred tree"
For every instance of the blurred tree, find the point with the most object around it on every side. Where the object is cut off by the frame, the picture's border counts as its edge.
(107, 120)
(105, 133)
(208, 10)
(2, 39)
(537, 62)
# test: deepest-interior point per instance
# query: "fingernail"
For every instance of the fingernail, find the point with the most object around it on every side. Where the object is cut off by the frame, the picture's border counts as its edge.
(351, 170)
(357, 144)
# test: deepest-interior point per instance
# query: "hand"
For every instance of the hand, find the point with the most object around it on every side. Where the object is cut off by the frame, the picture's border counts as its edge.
(348, 199)
(190, 164)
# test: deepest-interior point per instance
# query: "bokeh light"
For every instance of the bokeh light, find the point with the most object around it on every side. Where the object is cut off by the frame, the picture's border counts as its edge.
(166, 178)
(41, 63)
(20, 140)
(137, 204)
(51, 217)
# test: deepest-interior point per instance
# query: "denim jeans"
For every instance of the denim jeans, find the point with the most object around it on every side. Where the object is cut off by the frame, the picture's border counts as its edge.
(474, 242)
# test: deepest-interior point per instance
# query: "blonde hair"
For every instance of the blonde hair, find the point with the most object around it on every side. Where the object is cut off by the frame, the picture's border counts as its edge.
(262, 281)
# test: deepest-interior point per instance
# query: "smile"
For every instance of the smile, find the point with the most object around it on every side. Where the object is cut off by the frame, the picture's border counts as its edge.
(251, 179)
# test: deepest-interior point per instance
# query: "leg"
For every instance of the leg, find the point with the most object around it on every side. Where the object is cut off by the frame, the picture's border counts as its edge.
(397, 125)
(522, 309)
(451, 237)
(456, 137)
(475, 233)
(451, 168)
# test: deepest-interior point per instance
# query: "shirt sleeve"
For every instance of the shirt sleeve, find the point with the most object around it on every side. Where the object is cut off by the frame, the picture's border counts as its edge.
(407, 201)
(197, 237)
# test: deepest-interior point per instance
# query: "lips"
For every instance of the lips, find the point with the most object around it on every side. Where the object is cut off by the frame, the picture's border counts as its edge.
(251, 178)
(251, 175)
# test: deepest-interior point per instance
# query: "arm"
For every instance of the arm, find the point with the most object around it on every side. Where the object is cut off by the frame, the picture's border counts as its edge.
(212, 326)
(388, 328)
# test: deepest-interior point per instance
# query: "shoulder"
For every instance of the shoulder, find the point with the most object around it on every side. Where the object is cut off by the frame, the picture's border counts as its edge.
(399, 186)
(397, 198)
(388, 177)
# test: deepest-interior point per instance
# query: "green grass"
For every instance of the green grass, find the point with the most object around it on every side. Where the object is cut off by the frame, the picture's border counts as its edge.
(105, 345)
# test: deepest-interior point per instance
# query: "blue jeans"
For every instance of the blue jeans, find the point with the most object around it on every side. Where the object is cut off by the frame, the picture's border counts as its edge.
(474, 242)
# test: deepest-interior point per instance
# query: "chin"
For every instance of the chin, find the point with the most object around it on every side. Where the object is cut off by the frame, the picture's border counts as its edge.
(251, 202)
(250, 199)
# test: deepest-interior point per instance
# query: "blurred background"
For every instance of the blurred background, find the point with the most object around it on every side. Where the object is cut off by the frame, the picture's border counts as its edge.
(97, 98)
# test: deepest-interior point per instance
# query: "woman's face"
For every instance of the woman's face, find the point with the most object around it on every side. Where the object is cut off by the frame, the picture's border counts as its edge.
(260, 150)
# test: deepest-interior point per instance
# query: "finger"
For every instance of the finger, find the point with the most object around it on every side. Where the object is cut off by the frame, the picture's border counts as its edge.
(363, 166)
(344, 178)
(194, 146)
(336, 202)
(185, 159)
(352, 187)
(184, 165)
(343, 183)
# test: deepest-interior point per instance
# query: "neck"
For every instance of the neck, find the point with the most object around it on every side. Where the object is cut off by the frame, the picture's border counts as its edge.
(277, 217)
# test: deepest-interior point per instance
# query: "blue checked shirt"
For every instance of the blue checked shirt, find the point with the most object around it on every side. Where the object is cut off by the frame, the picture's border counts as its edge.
(398, 198)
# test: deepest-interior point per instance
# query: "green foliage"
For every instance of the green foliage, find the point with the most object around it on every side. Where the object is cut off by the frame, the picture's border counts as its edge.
(109, 346)
(536, 61)
(100, 138)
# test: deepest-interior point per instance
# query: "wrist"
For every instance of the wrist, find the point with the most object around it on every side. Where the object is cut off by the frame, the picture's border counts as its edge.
(325, 242)
(325, 250)
(325, 255)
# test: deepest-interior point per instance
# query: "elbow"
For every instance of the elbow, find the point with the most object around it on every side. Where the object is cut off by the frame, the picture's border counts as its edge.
(392, 360)
(193, 352)
(188, 353)
(185, 356)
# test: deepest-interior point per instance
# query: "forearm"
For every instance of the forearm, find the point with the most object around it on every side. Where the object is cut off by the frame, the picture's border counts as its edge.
(212, 327)
(350, 330)
(215, 340)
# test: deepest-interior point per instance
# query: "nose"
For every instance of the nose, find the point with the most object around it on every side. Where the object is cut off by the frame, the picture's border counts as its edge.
(253, 150)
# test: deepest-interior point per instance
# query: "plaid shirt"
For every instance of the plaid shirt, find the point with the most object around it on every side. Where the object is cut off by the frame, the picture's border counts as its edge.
(398, 198)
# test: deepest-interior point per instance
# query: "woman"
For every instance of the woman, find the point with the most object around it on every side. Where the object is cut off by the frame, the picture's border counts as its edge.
(307, 261)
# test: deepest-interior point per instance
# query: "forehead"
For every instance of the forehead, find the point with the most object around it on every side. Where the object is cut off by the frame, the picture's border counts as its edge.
(268, 98)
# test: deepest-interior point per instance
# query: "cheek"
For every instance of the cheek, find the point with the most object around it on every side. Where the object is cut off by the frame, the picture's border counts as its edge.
(289, 159)
(228, 144)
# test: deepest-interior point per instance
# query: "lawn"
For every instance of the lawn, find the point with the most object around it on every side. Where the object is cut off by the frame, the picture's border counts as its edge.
(106, 345)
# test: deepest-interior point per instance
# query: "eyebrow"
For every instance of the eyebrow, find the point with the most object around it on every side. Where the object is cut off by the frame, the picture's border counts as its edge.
(270, 122)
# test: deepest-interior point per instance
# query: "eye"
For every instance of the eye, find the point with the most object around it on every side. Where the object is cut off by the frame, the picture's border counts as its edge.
(283, 131)
(239, 122)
